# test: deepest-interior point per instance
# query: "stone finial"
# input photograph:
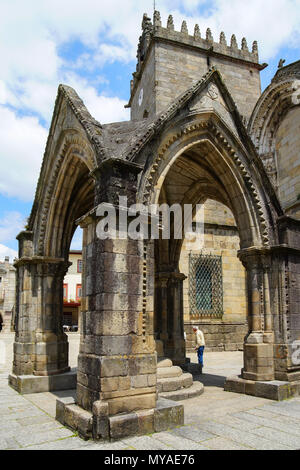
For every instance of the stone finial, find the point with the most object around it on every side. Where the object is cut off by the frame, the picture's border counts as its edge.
(223, 39)
(156, 18)
(170, 24)
(280, 64)
(233, 42)
(197, 34)
(254, 47)
(146, 23)
(244, 45)
(209, 36)
(184, 28)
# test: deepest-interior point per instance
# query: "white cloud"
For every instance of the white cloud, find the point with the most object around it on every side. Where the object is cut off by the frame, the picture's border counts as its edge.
(5, 251)
(10, 225)
(33, 32)
(104, 108)
(23, 141)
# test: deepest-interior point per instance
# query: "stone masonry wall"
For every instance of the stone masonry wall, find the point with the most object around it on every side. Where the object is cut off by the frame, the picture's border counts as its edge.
(177, 67)
(148, 85)
(288, 161)
(220, 239)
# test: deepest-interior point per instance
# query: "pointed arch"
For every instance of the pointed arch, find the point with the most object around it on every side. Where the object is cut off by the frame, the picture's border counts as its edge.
(240, 179)
(68, 192)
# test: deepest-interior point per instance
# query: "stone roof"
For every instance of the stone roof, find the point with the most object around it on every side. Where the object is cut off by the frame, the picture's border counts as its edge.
(289, 71)
(124, 140)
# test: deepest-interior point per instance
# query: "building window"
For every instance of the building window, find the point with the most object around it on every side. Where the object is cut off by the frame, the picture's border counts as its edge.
(79, 265)
(66, 292)
(205, 286)
(78, 292)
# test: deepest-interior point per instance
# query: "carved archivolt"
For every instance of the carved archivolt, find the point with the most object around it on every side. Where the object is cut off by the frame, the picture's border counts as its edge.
(154, 172)
(269, 112)
(73, 145)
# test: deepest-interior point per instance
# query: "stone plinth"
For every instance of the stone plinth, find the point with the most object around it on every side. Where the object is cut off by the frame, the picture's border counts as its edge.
(25, 384)
(99, 425)
(274, 389)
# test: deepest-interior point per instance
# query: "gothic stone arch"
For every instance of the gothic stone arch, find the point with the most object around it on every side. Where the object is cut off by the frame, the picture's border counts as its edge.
(117, 368)
(226, 174)
(65, 192)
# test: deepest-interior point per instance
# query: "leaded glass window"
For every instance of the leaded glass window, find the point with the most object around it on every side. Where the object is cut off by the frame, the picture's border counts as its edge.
(205, 285)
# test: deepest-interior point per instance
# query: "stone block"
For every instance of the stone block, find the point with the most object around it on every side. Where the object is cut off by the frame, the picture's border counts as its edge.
(145, 421)
(26, 384)
(128, 404)
(85, 424)
(167, 415)
(71, 416)
(123, 426)
(142, 364)
(100, 420)
(234, 384)
(114, 367)
(61, 403)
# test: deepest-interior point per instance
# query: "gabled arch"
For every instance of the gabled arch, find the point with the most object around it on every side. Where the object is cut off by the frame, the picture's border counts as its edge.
(274, 104)
(242, 178)
(61, 202)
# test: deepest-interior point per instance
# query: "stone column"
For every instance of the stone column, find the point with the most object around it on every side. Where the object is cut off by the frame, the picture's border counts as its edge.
(41, 346)
(117, 359)
(161, 306)
(258, 347)
(175, 345)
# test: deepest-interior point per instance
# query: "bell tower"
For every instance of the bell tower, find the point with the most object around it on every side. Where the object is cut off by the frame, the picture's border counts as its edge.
(169, 62)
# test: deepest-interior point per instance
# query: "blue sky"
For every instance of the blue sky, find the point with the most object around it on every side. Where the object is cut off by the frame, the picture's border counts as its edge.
(91, 46)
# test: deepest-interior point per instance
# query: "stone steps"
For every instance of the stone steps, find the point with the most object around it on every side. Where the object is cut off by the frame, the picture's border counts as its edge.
(166, 372)
(163, 362)
(193, 391)
(173, 382)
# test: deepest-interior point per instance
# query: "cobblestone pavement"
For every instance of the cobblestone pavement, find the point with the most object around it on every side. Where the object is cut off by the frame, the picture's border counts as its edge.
(216, 420)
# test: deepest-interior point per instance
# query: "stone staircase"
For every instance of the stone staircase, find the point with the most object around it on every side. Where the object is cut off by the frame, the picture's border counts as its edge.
(173, 383)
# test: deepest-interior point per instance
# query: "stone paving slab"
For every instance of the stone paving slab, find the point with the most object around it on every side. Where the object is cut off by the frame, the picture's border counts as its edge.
(216, 420)
(178, 443)
(145, 443)
(243, 437)
(221, 443)
(258, 421)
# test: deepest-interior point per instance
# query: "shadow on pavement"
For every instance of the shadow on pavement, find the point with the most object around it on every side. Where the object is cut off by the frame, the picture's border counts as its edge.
(210, 380)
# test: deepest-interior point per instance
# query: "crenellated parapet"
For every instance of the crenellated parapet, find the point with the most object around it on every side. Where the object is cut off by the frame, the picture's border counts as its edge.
(155, 30)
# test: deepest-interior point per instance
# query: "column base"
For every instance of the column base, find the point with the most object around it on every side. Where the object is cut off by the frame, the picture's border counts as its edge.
(26, 384)
(99, 426)
(273, 390)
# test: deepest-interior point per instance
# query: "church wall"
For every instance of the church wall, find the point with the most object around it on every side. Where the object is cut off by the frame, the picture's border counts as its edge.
(288, 162)
(177, 68)
(220, 238)
(147, 83)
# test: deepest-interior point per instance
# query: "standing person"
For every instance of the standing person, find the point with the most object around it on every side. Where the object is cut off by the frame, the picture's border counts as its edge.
(200, 344)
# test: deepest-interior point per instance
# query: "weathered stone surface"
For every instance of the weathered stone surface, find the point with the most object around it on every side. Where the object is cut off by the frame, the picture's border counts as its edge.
(189, 138)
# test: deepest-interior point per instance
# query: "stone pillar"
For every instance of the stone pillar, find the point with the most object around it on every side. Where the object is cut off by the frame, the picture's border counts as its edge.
(41, 346)
(161, 307)
(117, 359)
(258, 347)
(169, 315)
